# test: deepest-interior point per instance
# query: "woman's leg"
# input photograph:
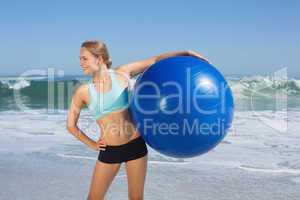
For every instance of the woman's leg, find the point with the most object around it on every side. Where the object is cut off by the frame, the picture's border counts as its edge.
(103, 175)
(136, 175)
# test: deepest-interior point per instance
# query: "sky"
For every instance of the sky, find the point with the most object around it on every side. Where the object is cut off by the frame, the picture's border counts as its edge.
(238, 37)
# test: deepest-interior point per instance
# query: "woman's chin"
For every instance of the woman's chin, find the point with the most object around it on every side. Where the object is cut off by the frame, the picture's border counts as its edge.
(85, 72)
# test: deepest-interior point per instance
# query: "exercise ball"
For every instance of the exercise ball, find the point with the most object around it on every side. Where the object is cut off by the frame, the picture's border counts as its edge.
(182, 106)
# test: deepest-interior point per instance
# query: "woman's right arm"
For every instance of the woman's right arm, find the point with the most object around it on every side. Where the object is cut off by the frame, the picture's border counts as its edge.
(140, 66)
(77, 104)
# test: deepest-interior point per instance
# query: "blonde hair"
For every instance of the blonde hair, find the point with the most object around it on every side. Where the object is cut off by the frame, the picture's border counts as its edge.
(98, 48)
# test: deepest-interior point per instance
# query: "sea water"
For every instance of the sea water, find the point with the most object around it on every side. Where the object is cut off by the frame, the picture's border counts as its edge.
(258, 159)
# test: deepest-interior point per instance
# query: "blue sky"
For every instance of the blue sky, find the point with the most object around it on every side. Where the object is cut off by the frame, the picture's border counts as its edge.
(239, 37)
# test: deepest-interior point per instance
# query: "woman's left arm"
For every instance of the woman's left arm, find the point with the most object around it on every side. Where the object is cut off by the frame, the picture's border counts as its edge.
(137, 67)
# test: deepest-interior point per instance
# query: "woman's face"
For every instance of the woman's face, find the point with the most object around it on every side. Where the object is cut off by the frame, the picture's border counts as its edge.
(88, 62)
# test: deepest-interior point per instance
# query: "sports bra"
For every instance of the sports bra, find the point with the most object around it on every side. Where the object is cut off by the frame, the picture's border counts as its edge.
(102, 103)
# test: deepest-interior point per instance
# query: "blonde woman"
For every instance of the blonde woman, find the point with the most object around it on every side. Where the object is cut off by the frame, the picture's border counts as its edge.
(106, 96)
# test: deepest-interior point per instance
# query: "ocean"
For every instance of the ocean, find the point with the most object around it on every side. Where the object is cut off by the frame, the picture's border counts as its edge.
(258, 159)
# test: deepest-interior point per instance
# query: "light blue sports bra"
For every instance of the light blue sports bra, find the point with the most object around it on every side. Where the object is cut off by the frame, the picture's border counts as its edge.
(102, 103)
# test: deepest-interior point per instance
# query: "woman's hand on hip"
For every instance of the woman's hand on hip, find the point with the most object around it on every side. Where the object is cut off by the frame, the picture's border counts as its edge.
(99, 145)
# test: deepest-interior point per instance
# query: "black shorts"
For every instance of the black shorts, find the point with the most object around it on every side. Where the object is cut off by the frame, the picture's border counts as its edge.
(132, 150)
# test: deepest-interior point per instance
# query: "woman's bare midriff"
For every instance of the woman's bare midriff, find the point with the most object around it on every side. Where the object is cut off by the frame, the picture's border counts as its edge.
(117, 128)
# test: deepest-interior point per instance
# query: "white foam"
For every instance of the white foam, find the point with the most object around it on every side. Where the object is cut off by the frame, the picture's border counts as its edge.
(76, 157)
(14, 78)
(269, 170)
(16, 85)
(93, 158)
(250, 142)
(259, 85)
(167, 162)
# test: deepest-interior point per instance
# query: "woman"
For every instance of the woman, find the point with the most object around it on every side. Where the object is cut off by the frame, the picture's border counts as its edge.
(106, 95)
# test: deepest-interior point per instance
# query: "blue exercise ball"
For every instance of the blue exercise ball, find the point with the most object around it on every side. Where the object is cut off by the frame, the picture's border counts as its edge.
(182, 106)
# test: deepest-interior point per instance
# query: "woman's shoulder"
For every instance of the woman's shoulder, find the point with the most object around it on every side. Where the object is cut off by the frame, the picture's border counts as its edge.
(122, 76)
(120, 72)
(83, 87)
(81, 92)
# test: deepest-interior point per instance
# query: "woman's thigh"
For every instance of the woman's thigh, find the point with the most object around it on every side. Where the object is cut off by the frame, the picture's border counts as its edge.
(136, 174)
(103, 175)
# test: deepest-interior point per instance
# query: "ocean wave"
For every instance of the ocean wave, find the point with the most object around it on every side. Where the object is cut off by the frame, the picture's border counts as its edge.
(15, 84)
(246, 86)
(35, 89)
(264, 86)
